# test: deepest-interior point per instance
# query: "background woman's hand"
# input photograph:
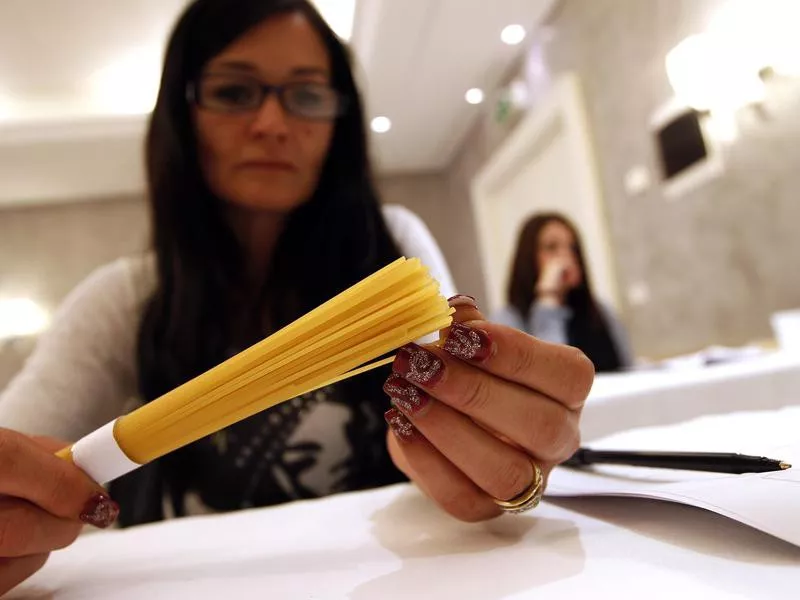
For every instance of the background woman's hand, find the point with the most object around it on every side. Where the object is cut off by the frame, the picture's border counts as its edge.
(470, 418)
(44, 502)
(552, 283)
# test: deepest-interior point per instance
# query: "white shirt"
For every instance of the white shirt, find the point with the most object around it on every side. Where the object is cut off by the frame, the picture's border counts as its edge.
(82, 373)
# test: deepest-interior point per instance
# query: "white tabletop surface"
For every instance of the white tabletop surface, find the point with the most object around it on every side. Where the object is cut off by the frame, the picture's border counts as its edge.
(392, 543)
(619, 402)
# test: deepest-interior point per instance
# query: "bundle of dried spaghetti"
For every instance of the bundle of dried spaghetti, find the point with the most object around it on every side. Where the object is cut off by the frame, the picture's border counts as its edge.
(339, 339)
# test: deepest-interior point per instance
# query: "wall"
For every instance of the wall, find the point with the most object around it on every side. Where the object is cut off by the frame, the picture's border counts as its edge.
(46, 250)
(717, 262)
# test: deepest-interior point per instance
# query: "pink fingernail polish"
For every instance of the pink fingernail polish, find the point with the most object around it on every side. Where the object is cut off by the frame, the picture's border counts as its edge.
(462, 300)
(468, 343)
(418, 365)
(100, 511)
(400, 425)
(406, 396)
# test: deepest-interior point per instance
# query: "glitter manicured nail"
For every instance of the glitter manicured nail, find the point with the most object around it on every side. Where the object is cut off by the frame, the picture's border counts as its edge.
(100, 511)
(400, 425)
(418, 365)
(406, 396)
(468, 343)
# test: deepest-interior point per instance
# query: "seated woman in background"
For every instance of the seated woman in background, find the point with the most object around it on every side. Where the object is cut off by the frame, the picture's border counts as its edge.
(550, 297)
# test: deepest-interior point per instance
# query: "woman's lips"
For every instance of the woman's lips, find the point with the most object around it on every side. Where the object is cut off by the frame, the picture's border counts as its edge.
(270, 165)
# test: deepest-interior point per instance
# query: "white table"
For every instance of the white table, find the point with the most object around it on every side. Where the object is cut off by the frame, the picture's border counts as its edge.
(392, 543)
(625, 401)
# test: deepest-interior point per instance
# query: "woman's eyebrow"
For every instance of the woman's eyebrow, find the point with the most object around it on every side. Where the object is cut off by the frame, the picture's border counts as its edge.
(250, 69)
(305, 71)
(236, 65)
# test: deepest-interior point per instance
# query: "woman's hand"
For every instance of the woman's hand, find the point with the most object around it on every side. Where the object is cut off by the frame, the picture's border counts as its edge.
(471, 418)
(552, 285)
(44, 502)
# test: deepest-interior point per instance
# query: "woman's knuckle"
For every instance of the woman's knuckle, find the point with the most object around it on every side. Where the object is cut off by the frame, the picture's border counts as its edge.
(551, 437)
(476, 395)
(577, 377)
(571, 442)
(583, 379)
(510, 479)
(522, 363)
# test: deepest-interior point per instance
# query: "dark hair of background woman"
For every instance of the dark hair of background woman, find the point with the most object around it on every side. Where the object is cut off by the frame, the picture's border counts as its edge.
(202, 309)
(587, 329)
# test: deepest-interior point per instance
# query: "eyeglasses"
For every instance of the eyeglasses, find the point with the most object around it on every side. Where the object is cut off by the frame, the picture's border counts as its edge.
(240, 93)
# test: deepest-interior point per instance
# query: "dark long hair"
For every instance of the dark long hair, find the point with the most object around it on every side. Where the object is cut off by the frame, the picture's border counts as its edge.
(588, 329)
(334, 239)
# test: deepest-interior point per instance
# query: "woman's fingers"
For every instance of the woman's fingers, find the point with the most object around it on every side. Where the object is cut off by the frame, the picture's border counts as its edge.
(561, 372)
(26, 529)
(471, 413)
(546, 429)
(436, 476)
(500, 470)
(30, 472)
(14, 571)
(466, 309)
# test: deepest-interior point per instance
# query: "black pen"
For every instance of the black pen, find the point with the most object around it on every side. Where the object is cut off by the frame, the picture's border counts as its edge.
(713, 462)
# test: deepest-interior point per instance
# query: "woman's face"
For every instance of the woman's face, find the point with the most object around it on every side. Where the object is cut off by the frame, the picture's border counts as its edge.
(557, 243)
(265, 158)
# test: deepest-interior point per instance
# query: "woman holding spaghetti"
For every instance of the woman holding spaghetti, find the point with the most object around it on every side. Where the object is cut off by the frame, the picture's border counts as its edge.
(263, 207)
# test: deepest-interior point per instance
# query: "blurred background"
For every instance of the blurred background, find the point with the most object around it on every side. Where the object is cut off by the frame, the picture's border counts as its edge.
(668, 130)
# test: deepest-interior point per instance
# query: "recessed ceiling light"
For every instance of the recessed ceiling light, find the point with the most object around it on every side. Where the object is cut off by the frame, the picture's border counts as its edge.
(381, 124)
(513, 35)
(474, 96)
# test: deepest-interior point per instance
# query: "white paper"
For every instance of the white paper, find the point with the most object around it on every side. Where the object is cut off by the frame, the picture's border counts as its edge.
(769, 502)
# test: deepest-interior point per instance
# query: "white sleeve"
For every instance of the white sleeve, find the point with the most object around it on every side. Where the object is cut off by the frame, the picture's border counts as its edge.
(415, 241)
(82, 371)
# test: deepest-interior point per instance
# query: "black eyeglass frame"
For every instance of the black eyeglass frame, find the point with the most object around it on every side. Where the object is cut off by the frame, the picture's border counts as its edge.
(266, 90)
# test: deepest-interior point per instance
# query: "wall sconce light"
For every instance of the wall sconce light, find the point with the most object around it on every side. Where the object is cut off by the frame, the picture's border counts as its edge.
(21, 317)
(128, 86)
(709, 74)
(724, 69)
(765, 31)
(6, 109)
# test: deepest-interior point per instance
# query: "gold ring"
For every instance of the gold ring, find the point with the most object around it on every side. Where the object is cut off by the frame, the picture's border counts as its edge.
(529, 498)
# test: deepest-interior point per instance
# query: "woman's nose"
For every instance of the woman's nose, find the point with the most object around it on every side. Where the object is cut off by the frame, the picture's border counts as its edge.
(271, 118)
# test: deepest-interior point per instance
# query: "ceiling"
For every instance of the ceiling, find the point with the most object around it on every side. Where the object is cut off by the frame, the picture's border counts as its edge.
(420, 57)
(60, 137)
